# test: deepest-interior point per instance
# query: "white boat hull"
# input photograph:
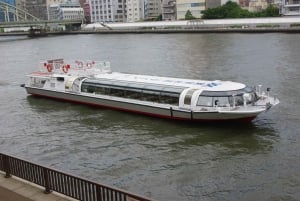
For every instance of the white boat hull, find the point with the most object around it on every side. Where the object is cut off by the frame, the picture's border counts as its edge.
(149, 109)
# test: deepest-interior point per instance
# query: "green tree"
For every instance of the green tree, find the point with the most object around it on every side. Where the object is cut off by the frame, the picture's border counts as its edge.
(189, 15)
(271, 11)
(233, 10)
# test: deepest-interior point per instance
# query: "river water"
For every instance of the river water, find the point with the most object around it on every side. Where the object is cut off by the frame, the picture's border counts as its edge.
(161, 159)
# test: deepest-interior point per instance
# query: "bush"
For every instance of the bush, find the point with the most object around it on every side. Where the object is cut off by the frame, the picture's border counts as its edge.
(189, 15)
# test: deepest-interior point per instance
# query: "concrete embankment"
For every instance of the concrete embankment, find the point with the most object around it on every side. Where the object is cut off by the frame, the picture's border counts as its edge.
(246, 25)
(168, 31)
(205, 30)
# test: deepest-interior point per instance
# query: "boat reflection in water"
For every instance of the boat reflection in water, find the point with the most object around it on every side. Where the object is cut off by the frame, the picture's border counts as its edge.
(94, 84)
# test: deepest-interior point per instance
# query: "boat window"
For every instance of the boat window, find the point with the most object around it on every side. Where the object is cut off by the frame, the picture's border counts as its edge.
(61, 79)
(169, 99)
(204, 101)
(238, 100)
(117, 92)
(226, 98)
(221, 101)
(90, 89)
(134, 85)
(188, 96)
(132, 93)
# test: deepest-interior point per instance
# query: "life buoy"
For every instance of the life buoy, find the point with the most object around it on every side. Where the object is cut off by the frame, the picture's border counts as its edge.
(49, 67)
(66, 68)
(79, 64)
(90, 64)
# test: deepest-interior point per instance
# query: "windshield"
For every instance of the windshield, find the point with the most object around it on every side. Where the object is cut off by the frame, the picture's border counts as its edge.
(227, 98)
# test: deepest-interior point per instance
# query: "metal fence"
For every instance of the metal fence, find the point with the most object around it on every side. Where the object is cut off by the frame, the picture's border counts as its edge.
(54, 180)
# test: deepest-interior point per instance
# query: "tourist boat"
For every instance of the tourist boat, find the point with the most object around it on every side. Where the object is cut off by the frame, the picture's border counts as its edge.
(94, 84)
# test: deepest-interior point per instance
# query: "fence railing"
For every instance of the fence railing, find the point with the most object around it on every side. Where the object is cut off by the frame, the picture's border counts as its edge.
(67, 184)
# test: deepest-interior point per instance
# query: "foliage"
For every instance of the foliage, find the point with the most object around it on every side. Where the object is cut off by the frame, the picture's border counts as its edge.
(189, 15)
(271, 11)
(159, 18)
(233, 10)
(295, 25)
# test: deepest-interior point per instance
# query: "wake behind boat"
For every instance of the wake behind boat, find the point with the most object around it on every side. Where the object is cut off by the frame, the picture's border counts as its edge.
(93, 83)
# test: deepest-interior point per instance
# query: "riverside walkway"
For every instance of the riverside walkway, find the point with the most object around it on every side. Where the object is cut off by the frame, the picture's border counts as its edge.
(21, 180)
(15, 189)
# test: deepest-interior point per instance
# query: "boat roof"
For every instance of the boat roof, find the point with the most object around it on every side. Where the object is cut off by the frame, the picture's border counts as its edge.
(216, 85)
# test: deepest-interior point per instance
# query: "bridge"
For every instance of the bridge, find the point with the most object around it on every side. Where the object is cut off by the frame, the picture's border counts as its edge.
(16, 17)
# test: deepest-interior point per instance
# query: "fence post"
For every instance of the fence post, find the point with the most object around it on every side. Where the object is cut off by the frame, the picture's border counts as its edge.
(98, 193)
(6, 166)
(46, 179)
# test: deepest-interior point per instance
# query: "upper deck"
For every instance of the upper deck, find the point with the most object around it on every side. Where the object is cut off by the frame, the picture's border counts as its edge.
(100, 72)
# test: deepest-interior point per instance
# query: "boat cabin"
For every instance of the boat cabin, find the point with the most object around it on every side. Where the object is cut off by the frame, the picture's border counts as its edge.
(182, 96)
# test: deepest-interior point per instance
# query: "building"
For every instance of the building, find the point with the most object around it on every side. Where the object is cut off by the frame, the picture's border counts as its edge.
(169, 10)
(68, 11)
(51, 8)
(108, 11)
(257, 5)
(86, 9)
(135, 10)
(290, 8)
(244, 3)
(212, 3)
(195, 6)
(153, 9)
(37, 8)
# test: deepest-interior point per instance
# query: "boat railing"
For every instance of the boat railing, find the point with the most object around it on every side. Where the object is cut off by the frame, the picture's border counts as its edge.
(77, 66)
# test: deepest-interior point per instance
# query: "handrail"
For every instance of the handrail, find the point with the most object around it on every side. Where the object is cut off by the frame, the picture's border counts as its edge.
(64, 183)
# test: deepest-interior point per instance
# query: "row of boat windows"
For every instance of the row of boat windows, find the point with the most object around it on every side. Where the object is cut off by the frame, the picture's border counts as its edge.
(167, 97)
(225, 101)
(131, 93)
(219, 101)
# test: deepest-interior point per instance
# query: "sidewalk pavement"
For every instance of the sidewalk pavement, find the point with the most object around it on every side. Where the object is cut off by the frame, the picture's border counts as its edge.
(16, 189)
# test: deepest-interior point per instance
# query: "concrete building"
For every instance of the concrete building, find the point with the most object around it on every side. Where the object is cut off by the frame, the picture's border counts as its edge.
(108, 11)
(20, 4)
(244, 4)
(290, 7)
(257, 5)
(212, 3)
(135, 10)
(153, 9)
(68, 11)
(169, 10)
(86, 9)
(52, 8)
(37, 8)
(195, 6)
